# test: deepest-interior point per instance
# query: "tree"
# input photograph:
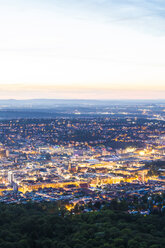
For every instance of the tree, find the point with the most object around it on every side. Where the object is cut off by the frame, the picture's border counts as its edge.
(133, 244)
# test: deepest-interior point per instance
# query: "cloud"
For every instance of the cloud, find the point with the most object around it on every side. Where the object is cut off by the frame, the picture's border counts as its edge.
(144, 15)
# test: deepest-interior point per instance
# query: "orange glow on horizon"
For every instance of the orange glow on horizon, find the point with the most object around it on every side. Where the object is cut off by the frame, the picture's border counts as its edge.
(24, 91)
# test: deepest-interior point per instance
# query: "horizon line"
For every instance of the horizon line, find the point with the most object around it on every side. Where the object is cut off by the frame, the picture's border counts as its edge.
(82, 99)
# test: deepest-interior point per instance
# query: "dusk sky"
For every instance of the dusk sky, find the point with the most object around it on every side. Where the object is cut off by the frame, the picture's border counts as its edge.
(98, 49)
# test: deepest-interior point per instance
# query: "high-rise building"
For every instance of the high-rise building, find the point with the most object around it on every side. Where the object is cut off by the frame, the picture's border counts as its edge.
(10, 177)
(7, 153)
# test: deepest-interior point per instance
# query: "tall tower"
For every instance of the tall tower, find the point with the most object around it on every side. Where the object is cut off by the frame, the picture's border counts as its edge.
(69, 167)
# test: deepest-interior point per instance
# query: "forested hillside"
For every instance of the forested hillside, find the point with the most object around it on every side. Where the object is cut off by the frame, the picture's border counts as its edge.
(42, 226)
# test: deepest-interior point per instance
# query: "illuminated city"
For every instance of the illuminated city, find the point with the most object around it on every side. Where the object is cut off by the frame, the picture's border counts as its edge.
(75, 158)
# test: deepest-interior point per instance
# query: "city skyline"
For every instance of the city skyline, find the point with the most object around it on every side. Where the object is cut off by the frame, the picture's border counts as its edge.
(82, 50)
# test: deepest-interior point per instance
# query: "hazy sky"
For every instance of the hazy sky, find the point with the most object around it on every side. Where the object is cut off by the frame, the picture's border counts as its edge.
(82, 49)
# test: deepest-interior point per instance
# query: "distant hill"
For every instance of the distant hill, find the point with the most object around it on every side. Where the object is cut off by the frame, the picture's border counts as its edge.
(51, 103)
